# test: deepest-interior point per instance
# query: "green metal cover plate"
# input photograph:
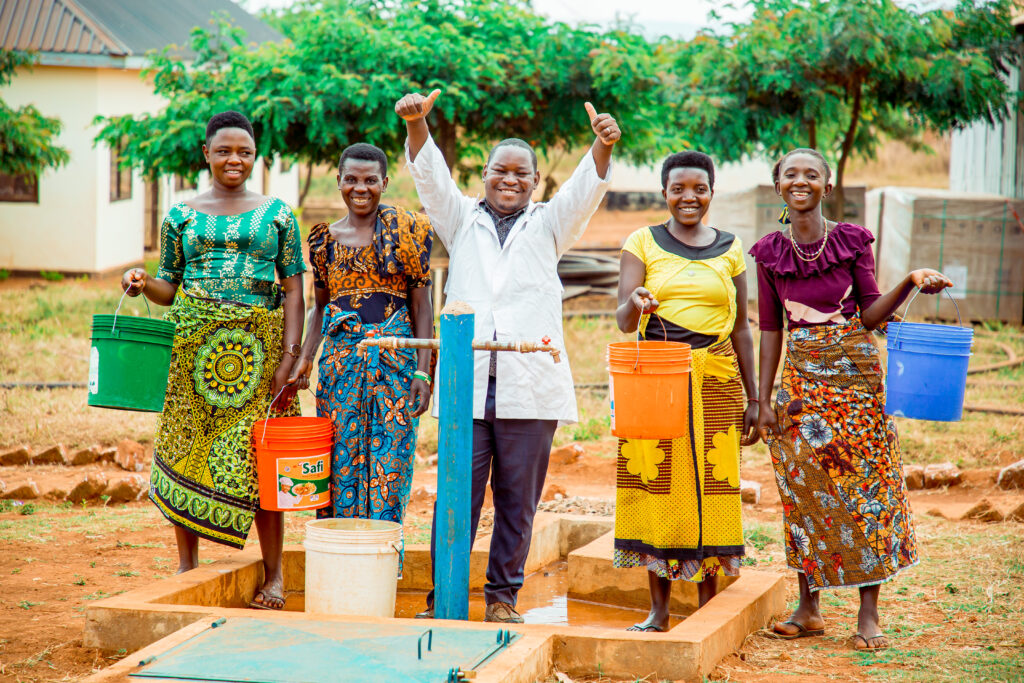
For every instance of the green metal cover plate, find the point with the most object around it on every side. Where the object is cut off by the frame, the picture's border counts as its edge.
(307, 651)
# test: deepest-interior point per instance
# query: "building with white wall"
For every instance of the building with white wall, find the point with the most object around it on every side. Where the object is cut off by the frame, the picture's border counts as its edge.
(89, 216)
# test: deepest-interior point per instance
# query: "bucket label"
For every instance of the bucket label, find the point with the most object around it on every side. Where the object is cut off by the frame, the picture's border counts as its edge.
(611, 399)
(303, 482)
(94, 370)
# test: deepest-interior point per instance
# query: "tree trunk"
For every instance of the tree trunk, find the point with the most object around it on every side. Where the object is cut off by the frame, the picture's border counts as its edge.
(838, 208)
(446, 139)
(305, 185)
(550, 185)
(812, 134)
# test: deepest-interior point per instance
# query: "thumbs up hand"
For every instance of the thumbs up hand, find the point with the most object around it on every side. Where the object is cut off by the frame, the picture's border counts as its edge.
(605, 127)
(415, 106)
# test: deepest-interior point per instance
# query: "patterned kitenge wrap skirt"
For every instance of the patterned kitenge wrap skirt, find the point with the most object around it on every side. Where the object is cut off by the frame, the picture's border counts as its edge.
(838, 463)
(367, 398)
(677, 501)
(204, 466)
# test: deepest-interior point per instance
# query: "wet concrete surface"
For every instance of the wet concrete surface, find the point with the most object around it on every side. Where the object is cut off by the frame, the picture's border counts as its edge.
(542, 600)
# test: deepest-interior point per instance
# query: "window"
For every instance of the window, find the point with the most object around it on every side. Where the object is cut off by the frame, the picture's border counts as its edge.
(182, 183)
(120, 177)
(19, 188)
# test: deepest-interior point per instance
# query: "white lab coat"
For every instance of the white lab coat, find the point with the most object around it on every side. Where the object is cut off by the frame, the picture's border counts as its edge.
(514, 289)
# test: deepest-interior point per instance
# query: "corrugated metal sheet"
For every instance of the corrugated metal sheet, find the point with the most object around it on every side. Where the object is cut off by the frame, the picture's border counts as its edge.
(53, 26)
(990, 159)
(144, 25)
(116, 27)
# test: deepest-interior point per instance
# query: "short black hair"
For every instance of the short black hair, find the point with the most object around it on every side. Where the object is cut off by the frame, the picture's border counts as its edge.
(363, 151)
(514, 142)
(698, 160)
(777, 168)
(228, 119)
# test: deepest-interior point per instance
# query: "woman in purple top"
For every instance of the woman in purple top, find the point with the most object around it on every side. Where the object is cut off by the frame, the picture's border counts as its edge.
(835, 453)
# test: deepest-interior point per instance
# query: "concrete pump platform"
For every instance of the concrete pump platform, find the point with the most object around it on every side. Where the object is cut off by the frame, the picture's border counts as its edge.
(584, 629)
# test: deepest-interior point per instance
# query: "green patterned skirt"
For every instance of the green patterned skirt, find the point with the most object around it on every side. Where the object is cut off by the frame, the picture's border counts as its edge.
(204, 465)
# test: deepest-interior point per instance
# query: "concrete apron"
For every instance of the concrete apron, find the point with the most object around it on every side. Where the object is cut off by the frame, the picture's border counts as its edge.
(170, 611)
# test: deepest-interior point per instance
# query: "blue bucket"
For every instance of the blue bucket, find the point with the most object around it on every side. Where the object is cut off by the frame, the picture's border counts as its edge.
(926, 372)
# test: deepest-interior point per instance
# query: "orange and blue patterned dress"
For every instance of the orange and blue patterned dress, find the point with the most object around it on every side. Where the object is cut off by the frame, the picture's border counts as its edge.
(367, 397)
(837, 463)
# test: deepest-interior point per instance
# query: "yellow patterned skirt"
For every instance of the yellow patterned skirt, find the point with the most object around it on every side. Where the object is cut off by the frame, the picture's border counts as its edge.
(677, 501)
(204, 465)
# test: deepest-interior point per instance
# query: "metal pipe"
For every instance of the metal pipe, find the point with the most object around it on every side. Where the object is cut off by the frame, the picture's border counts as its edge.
(543, 346)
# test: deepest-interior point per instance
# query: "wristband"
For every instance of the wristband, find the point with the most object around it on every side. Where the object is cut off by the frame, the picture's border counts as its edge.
(419, 374)
(753, 400)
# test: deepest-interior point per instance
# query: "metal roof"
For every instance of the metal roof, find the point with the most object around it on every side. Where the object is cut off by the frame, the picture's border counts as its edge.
(116, 27)
(52, 26)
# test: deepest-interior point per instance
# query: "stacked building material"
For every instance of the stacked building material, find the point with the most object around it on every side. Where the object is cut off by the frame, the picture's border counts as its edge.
(589, 273)
(975, 239)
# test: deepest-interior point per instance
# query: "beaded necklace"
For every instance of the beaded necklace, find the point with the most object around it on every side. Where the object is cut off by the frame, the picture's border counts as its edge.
(801, 254)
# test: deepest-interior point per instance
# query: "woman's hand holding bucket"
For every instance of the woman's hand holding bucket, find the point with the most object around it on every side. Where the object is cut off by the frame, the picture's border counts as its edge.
(301, 371)
(644, 300)
(133, 281)
(930, 281)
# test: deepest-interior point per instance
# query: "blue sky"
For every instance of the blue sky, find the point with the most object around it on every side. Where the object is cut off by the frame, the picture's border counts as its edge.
(680, 18)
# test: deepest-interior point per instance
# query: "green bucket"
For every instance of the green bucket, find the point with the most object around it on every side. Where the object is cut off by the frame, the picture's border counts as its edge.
(129, 362)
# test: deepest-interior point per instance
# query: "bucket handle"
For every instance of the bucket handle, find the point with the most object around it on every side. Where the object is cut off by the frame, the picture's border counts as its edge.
(271, 406)
(917, 290)
(639, 334)
(149, 312)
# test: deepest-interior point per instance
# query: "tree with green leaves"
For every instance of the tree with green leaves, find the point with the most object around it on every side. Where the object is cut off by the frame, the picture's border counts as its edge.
(505, 71)
(843, 76)
(28, 140)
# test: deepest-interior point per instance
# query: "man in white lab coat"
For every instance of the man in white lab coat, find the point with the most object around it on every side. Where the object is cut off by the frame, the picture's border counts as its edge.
(504, 252)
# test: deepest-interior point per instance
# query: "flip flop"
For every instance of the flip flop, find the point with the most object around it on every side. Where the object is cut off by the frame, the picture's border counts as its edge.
(801, 631)
(267, 596)
(649, 628)
(867, 640)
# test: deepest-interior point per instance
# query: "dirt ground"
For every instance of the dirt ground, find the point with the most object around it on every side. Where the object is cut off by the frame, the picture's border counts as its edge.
(60, 557)
(958, 615)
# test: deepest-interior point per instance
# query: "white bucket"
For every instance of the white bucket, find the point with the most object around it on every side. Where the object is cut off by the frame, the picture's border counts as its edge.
(352, 566)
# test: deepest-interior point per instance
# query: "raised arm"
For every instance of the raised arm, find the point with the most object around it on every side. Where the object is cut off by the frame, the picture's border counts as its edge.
(578, 199)
(413, 108)
(441, 197)
(607, 131)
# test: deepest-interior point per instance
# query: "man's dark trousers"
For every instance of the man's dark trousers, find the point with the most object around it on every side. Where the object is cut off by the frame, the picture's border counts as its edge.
(515, 454)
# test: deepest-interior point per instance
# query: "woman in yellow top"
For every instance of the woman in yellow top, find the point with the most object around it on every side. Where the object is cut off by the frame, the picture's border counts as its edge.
(678, 500)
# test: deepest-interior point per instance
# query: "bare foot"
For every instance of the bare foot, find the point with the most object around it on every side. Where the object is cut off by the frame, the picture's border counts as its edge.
(182, 568)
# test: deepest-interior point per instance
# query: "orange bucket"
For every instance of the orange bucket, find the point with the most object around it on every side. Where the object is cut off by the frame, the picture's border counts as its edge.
(649, 389)
(293, 462)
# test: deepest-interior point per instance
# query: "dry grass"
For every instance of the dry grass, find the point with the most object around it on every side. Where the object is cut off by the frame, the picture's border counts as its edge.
(44, 336)
(956, 616)
(894, 163)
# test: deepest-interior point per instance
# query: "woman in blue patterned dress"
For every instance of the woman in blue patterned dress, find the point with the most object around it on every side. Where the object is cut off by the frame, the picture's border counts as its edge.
(372, 275)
